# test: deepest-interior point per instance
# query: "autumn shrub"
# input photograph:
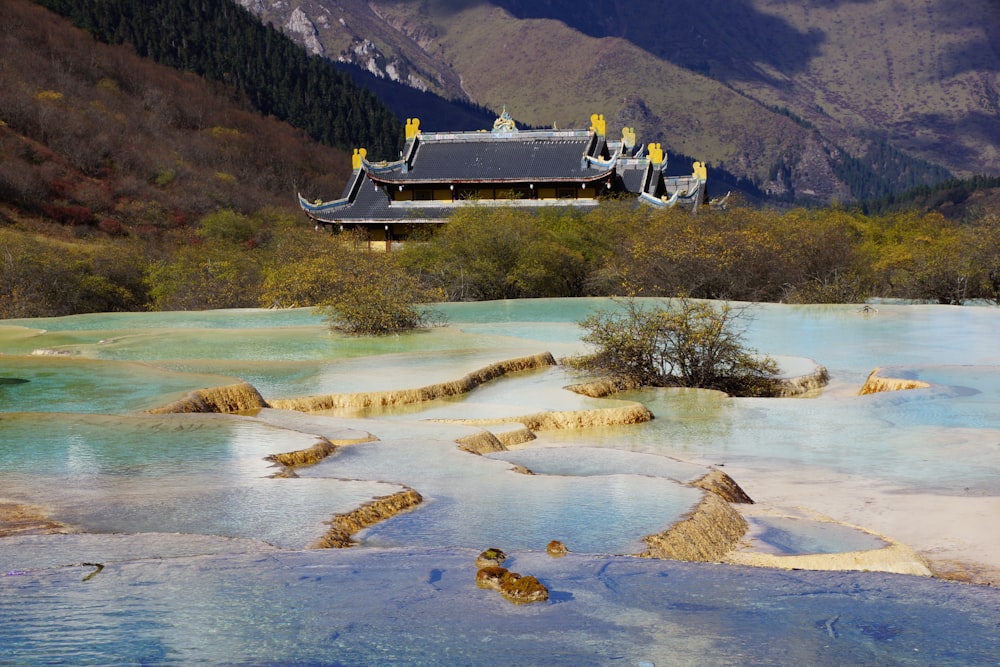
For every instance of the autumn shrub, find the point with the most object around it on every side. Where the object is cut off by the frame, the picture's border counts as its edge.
(486, 253)
(371, 294)
(684, 343)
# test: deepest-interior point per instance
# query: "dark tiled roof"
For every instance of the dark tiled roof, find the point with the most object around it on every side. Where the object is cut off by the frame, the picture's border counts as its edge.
(521, 158)
(632, 177)
(371, 205)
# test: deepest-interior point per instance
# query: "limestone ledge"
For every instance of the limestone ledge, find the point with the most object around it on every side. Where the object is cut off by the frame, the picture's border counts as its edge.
(312, 455)
(568, 419)
(895, 558)
(482, 442)
(239, 397)
(463, 385)
(723, 486)
(876, 384)
(21, 519)
(711, 530)
(802, 385)
(344, 526)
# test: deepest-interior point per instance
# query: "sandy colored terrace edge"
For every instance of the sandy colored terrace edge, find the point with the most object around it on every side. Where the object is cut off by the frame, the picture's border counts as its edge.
(709, 531)
(230, 398)
(343, 526)
(22, 519)
(431, 392)
(876, 384)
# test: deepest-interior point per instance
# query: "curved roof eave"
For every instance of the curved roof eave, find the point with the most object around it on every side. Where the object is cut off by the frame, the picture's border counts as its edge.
(580, 178)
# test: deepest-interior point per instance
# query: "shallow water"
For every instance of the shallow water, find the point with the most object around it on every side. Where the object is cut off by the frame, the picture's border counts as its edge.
(73, 441)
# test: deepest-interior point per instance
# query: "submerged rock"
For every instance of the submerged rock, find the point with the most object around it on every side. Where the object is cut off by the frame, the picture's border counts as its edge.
(490, 577)
(556, 549)
(522, 589)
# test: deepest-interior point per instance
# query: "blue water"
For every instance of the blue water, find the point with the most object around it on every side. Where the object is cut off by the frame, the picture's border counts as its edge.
(74, 441)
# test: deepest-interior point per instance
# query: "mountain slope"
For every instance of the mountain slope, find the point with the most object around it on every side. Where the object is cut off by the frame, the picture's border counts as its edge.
(837, 99)
(99, 139)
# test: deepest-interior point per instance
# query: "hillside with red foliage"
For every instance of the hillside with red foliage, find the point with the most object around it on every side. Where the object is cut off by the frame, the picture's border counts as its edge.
(94, 138)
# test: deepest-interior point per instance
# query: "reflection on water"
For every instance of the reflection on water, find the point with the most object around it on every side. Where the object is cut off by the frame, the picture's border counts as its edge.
(74, 441)
(122, 363)
(793, 537)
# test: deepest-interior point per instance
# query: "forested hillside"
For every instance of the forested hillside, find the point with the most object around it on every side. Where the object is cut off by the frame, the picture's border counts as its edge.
(93, 135)
(219, 40)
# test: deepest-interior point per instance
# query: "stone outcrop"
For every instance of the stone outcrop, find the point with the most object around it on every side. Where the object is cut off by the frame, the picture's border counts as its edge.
(408, 396)
(514, 587)
(490, 577)
(875, 384)
(522, 589)
(240, 397)
(343, 526)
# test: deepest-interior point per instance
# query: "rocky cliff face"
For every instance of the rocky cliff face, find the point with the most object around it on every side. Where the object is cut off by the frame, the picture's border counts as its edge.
(367, 35)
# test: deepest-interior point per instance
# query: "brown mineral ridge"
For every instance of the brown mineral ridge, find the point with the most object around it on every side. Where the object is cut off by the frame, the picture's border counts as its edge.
(875, 384)
(239, 397)
(313, 455)
(463, 385)
(17, 519)
(569, 419)
(343, 526)
(706, 534)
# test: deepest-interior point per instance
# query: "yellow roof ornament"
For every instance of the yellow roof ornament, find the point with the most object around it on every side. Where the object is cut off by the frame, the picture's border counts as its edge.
(628, 137)
(700, 171)
(504, 123)
(598, 125)
(358, 157)
(412, 128)
(656, 153)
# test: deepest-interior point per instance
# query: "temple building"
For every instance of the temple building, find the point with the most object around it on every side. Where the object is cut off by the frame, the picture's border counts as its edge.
(440, 171)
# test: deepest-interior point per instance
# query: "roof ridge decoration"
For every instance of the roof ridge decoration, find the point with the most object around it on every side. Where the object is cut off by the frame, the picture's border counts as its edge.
(628, 139)
(504, 124)
(438, 172)
(358, 158)
(412, 128)
(598, 125)
(656, 154)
